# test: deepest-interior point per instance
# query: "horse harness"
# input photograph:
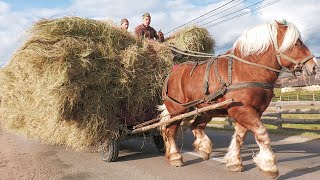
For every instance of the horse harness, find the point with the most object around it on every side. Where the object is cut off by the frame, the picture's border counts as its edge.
(225, 87)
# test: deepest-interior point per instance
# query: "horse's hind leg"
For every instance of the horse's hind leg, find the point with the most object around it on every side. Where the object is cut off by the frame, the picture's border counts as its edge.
(248, 117)
(172, 153)
(232, 158)
(202, 143)
(169, 134)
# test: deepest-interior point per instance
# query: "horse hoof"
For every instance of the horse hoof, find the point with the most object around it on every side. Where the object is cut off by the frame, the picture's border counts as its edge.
(176, 163)
(236, 168)
(205, 156)
(271, 174)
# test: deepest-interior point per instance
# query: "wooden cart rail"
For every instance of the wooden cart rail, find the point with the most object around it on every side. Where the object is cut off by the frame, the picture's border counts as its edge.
(182, 116)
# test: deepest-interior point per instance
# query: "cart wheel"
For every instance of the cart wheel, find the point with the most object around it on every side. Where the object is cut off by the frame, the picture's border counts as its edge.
(158, 141)
(111, 151)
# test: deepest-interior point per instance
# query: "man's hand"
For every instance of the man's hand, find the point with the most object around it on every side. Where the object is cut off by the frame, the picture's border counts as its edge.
(161, 36)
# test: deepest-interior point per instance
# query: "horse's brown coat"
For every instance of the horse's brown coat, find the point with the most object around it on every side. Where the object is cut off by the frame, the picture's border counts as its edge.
(247, 109)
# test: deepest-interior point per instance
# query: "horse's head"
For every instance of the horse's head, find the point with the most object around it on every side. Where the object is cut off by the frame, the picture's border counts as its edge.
(292, 53)
(281, 41)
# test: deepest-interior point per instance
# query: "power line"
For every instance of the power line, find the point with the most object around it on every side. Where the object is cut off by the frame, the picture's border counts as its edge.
(313, 37)
(315, 27)
(232, 13)
(221, 12)
(302, 17)
(200, 16)
(242, 14)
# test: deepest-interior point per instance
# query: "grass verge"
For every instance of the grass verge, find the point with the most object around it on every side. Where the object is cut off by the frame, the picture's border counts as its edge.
(304, 130)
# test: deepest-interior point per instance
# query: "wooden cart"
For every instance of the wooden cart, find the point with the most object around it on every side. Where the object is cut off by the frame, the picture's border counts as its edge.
(149, 128)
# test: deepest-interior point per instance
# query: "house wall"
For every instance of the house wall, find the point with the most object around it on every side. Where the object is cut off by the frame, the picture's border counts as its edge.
(300, 81)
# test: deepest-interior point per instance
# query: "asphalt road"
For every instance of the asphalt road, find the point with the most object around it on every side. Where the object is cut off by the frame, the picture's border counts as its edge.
(298, 158)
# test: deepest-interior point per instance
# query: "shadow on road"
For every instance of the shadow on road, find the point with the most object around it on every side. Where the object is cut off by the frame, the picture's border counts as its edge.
(194, 161)
(137, 148)
(299, 172)
(287, 148)
(137, 156)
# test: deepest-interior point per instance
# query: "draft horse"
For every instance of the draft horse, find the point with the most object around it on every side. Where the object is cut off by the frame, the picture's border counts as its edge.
(247, 74)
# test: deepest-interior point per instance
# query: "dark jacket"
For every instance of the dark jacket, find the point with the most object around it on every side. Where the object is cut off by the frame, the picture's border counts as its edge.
(147, 32)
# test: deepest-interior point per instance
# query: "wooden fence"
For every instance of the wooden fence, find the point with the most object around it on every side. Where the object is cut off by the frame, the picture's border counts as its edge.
(298, 97)
(280, 120)
(276, 118)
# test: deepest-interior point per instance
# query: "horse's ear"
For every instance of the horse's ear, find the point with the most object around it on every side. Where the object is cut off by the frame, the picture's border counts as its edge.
(283, 23)
(278, 23)
(281, 26)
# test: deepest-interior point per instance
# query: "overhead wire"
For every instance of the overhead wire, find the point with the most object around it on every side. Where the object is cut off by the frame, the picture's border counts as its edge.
(221, 11)
(242, 14)
(232, 13)
(315, 27)
(303, 17)
(200, 16)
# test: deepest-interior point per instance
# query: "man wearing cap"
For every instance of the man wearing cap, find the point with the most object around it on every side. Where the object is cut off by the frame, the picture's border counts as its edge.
(146, 31)
(124, 24)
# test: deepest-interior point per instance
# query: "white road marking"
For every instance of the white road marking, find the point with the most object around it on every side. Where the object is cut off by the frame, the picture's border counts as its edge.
(196, 154)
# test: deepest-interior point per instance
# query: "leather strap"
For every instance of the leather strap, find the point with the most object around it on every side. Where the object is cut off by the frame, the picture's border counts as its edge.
(216, 71)
(206, 77)
(262, 85)
(194, 66)
(230, 62)
(226, 89)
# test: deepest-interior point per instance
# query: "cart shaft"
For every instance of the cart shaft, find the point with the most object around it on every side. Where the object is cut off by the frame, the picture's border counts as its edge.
(182, 116)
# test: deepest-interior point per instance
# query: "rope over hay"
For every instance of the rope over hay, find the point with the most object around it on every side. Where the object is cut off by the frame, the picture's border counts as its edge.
(79, 82)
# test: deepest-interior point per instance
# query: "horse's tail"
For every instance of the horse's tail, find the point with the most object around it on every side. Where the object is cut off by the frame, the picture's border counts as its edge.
(165, 116)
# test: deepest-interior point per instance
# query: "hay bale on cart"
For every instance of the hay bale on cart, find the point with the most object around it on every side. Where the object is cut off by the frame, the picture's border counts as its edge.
(78, 82)
(192, 39)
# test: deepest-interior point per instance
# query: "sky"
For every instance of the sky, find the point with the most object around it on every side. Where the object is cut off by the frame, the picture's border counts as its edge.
(224, 24)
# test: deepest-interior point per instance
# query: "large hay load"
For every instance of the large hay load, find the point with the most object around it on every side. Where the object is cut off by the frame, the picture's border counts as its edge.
(193, 38)
(78, 82)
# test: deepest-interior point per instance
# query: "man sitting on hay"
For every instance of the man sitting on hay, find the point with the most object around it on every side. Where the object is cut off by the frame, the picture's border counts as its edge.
(146, 31)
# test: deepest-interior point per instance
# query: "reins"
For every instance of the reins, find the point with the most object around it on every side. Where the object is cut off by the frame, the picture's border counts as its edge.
(208, 55)
(226, 87)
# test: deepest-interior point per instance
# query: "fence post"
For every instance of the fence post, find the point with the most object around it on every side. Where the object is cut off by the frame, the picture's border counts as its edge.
(313, 97)
(279, 119)
(229, 122)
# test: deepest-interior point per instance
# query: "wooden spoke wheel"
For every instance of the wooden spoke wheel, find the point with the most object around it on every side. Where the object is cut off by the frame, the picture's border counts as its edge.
(110, 152)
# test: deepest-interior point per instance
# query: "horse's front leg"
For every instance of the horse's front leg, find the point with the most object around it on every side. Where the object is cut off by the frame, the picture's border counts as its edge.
(172, 153)
(233, 158)
(265, 159)
(202, 143)
(249, 118)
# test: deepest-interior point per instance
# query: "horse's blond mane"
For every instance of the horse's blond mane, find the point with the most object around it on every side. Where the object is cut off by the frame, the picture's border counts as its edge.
(258, 39)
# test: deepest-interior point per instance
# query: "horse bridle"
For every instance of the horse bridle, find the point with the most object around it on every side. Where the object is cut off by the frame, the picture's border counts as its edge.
(298, 64)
